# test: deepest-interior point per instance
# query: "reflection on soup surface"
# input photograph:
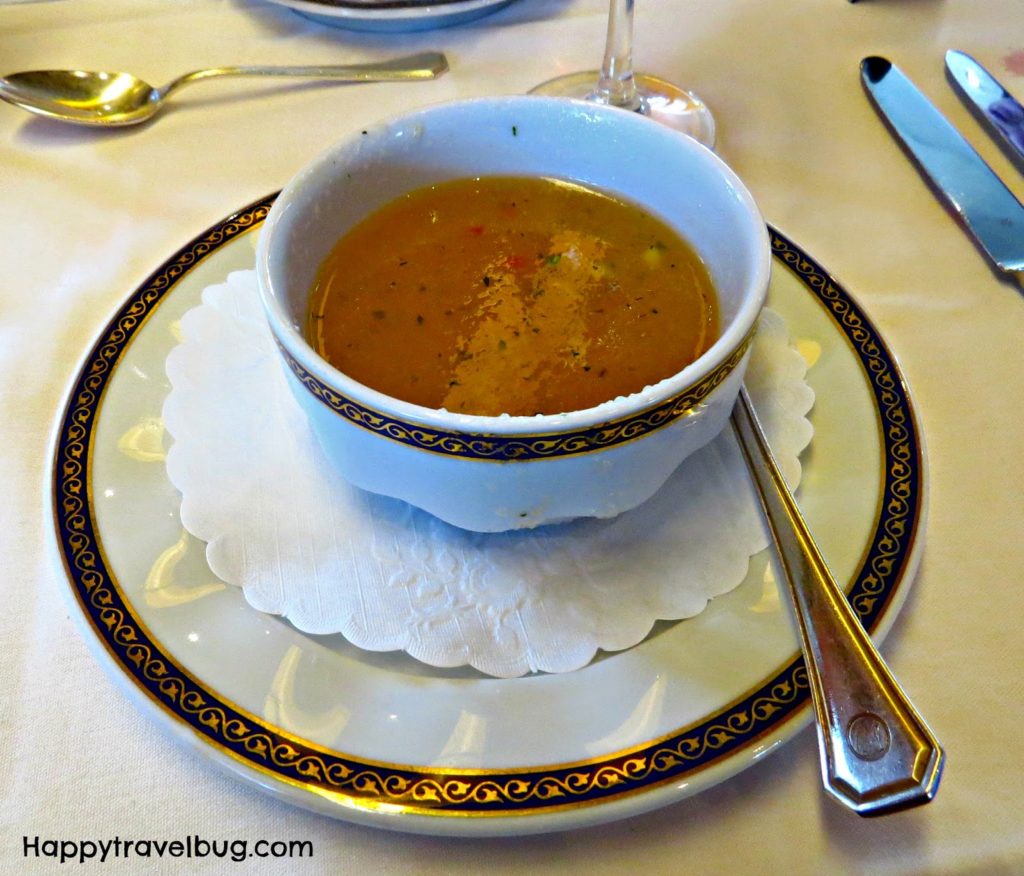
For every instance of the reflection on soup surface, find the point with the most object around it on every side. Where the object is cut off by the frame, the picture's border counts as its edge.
(511, 295)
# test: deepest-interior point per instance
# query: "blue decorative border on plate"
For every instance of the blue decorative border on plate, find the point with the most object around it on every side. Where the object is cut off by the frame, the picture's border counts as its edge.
(451, 792)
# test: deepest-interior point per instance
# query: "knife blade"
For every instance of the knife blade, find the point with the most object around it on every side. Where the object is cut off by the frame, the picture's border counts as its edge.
(989, 210)
(997, 106)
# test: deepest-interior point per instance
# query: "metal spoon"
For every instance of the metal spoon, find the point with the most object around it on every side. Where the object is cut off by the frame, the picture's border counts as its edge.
(877, 754)
(109, 99)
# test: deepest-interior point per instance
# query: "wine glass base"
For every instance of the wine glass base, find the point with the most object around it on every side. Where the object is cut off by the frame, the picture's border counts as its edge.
(660, 100)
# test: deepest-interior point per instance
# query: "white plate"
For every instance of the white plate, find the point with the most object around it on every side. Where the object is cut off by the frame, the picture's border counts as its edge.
(383, 740)
(393, 15)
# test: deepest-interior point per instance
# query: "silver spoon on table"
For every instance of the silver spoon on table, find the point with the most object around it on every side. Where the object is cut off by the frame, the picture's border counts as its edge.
(105, 99)
(877, 754)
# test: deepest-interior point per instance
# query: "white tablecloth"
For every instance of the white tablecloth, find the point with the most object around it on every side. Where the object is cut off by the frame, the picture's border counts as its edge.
(86, 215)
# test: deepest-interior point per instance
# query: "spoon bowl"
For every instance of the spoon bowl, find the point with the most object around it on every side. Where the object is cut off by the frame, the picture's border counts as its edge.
(82, 96)
(100, 98)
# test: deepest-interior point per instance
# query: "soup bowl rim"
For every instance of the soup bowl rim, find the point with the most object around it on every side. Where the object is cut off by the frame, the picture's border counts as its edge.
(674, 395)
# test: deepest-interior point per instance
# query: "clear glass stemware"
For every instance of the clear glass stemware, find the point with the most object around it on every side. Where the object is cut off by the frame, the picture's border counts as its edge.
(618, 85)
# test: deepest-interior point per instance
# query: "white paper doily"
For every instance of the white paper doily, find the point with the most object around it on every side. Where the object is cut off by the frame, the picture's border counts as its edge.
(303, 543)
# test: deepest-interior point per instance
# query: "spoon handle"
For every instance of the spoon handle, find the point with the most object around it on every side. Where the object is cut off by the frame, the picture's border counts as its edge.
(426, 65)
(877, 754)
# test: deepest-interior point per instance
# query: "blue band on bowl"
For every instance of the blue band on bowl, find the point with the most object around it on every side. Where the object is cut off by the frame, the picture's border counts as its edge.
(505, 448)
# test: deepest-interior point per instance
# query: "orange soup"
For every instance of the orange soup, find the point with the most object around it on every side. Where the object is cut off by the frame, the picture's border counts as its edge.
(511, 295)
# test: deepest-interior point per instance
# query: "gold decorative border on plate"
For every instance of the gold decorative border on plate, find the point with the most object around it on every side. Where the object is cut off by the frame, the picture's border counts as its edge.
(280, 756)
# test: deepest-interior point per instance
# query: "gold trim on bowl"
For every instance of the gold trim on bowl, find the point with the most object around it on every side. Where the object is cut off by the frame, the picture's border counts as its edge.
(505, 448)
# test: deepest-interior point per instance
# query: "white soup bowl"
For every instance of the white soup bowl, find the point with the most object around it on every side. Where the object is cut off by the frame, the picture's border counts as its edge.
(490, 473)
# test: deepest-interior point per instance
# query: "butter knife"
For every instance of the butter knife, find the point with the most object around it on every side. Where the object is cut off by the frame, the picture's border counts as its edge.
(989, 210)
(995, 104)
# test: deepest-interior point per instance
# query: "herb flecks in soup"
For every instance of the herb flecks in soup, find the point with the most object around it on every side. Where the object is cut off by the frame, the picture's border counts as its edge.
(511, 295)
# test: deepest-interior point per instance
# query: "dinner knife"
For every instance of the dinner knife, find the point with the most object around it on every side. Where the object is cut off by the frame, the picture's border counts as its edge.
(997, 106)
(987, 207)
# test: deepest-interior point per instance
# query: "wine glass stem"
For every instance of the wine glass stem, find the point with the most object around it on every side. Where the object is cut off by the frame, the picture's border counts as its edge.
(616, 85)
